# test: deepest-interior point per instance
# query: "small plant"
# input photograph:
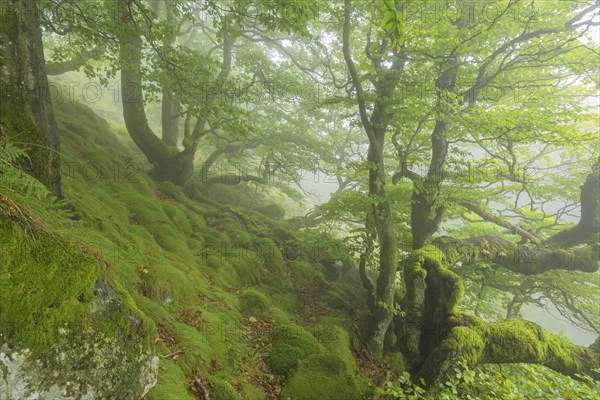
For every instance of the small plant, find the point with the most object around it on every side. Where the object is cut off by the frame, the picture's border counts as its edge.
(511, 382)
(13, 178)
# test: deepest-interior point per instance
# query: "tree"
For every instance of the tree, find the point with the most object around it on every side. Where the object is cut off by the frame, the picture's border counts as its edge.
(449, 50)
(26, 116)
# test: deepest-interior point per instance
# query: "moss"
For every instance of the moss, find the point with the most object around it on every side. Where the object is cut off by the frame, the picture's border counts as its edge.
(511, 341)
(301, 269)
(468, 342)
(217, 241)
(339, 297)
(248, 268)
(517, 335)
(527, 341)
(56, 302)
(171, 385)
(396, 361)
(191, 252)
(166, 284)
(178, 218)
(149, 214)
(338, 302)
(254, 303)
(235, 195)
(279, 234)
(286, 299)
(47, 284)
(222, 390)
(291, 345)
(270, 253)
(336, 340)
(272, 210)
(275, 283)
(214, 261)
(280, 316)
(321, 376)
(239, 237)
(251, 392)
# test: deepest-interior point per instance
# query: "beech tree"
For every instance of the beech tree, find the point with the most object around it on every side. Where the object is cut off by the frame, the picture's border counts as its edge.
(25, 87)
(456, 52)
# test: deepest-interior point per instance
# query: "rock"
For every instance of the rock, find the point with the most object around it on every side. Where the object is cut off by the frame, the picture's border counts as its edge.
(111, 358)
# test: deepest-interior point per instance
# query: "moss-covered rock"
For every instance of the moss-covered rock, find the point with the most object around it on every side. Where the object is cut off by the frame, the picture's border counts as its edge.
(292, 344)
(172, 383)
(222, 390)
(340, 297)
(214, 261)
(253, 302)
(321, 376)
(64, 328)
(301, 269)
(336, 339)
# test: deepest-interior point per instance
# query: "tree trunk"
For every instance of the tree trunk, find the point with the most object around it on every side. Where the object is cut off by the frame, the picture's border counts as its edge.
(476, 342)
(437, 337)
(169, 164)
(388, 248)
(170, 120)
(589, 223)
(426, 211)
(170, 106)
(26, 114)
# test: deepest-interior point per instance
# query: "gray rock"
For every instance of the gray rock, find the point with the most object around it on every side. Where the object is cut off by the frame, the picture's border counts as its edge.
(104, 360)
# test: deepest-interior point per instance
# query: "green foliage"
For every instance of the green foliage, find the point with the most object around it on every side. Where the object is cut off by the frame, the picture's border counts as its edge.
(392, 23)
(512, 381)
(12, 177)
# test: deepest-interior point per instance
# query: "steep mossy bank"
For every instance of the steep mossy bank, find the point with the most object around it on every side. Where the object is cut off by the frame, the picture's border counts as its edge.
(64, 329)
(215, 288)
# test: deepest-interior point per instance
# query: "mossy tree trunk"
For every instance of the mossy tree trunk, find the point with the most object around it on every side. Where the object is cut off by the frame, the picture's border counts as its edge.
(375, 125)
(26, 114)
(388, 247)
(435, 336)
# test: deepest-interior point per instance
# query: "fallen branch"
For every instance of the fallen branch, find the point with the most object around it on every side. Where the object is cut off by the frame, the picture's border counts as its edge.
(172, 355)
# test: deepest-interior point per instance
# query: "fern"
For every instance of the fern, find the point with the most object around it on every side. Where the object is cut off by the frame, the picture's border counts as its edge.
(13, 178)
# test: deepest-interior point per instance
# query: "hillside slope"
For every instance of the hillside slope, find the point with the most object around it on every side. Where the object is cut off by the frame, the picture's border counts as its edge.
(235, 304)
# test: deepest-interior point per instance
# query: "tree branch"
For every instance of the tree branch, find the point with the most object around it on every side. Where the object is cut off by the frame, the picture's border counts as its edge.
(59, 68)
(484, 213)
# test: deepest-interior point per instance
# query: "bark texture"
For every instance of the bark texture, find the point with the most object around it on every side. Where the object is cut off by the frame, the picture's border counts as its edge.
(26, 114)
